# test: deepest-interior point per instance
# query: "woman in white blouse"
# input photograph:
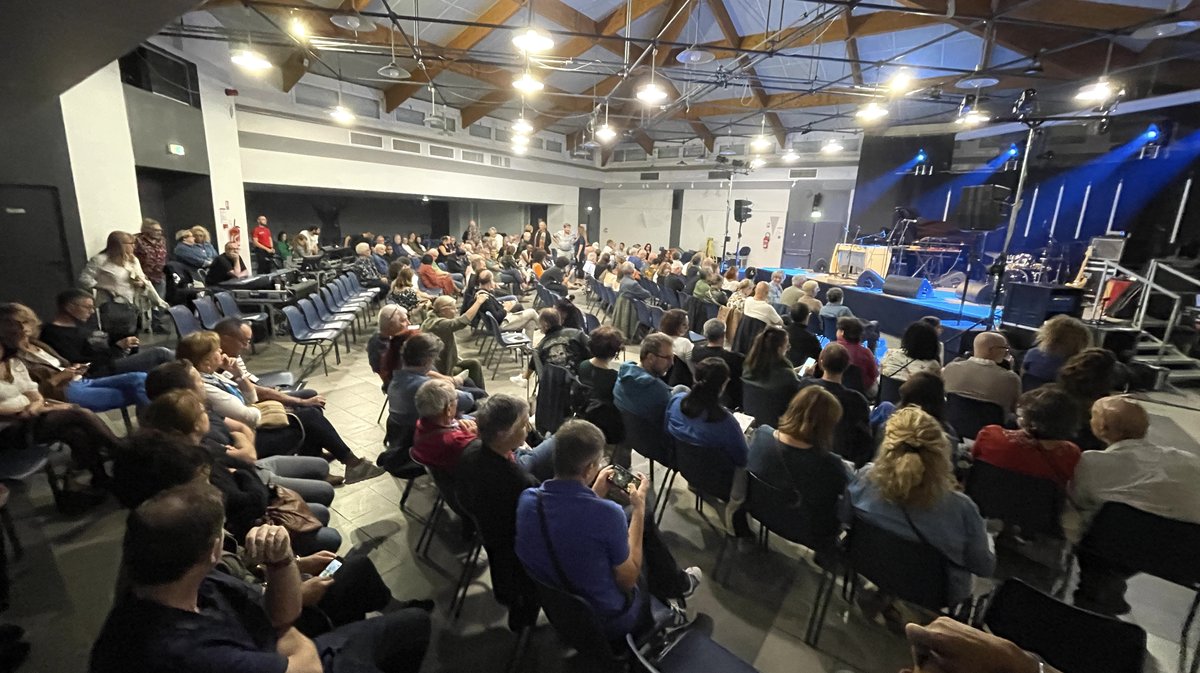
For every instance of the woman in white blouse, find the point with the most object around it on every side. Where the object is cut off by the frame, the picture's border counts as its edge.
(918, 352)
(119, 273)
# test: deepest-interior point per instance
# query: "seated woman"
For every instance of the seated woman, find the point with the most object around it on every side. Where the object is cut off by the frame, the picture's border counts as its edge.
(58, 379)
(708, 288)
(741, 292)
(767, 363)
(1089, 375)
(729, 282)
(1047, 418)
(404, 292)
(918, 352)
(235, 398)
(796, 458)
(26, 417)
(674, 324)
(1058, 339)
(697, 416)
(923, 390)
(598, 377)
(909, 490)
(802, 344)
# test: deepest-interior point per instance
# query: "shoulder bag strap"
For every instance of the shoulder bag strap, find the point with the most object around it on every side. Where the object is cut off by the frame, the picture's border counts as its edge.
(564, 583)
(925, 541)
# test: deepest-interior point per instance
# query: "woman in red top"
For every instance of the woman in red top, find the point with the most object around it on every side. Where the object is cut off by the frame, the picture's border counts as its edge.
(1046, 417)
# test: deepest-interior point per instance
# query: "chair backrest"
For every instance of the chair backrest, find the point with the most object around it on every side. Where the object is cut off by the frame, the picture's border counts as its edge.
(1032, 503)
(296, 324)
(778, 510)
(828, 326)
(968, 416)
(310, 313)
(228, 306)
(765, 404)
(322, 309)
(590, 322)
(185, 322)
(329, 298)
(1030, 382)
(656, 316)
(748, 328)
(889, 389)
(707, 469)
(648, 438)
(575, 622)
(1070, 639)
(643, 313)
(908, 569)
(493, 326)
(852, 379)
(206, 308)
(554, 396)
(1137, 540)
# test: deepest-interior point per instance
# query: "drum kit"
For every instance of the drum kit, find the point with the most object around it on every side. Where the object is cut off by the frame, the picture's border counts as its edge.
(1040, 266)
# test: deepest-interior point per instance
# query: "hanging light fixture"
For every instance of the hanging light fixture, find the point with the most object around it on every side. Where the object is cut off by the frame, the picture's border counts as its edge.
(527, 83)
(521, 126)
(790, 156)
(651, 93)
(1100, 91)
(391, 70)
(605, 133)
(758, 162)
(353, 22)
(521, 140)
(298, 29)
(871, 112)
(519, 149)
(532, 40)
(761, 142)
(249, 59)
(969, 113)
(901, 82)
(832, 146)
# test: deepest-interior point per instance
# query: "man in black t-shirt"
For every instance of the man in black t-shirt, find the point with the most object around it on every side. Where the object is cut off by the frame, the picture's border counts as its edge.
(180, 615)
(714, 347)
(555, 278)
(73, 334)
(852, 437)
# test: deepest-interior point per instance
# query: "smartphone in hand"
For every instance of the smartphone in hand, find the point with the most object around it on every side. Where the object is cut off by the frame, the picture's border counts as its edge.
(331, 568)
(624, 479)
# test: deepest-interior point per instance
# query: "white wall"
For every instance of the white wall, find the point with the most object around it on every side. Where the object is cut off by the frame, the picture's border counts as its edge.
(704, 213)
(635, 216)
(224, 163)
(101, 150)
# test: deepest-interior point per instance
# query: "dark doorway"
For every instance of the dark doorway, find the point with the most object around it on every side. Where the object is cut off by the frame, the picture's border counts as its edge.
(178, 200)
(35, 247)
(676, 218)
(539, 211)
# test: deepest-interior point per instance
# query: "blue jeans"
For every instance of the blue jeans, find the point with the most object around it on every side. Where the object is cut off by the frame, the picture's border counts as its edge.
(538, 461)
(109, 392)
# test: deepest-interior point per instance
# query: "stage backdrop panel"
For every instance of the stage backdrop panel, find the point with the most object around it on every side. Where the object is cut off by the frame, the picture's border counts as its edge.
(885, 177)
(704, 217)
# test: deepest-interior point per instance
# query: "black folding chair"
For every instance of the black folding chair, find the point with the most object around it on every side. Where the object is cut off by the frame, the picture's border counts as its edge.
(968, 416)
(577, 624)
(1071, 639)
(765, 404)
(709, 473)
(553, 397)
(646, 436)
(689, 652)
(1032, 503)
(889, 389)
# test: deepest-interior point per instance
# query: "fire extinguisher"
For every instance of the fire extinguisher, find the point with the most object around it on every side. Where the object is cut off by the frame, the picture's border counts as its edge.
(766, 240)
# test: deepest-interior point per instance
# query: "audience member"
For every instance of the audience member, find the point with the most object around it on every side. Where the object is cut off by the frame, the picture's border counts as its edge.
(443, 321)
(179, 614)
(262, 246)
(950, 646)
(571, 537)
(849, 335)
(441, 435)
(698, 417)
(402, 290)
(1047, 419)
(759, 307)
(227, 266)
(803, 345)
(416, 360)
(118, 273)
(809, 296)
(714, 347)
(383, 348)
(852, 437)
(792, 293)
(509, 315)
(205, 243)
(983, 376)
(74, 336)
(918, 352)
(369, 274)
(555, 278)
(775, 288)
(598, 378)
(1089, 375)
(188, 252)
(1131, 470)
(797, 458)
(674, 279)
(640, 388)
(924, 390)
(150, 249)
(562, 346)
(767, 364)
(737, 299)
(434, 278)
(1058, 339)
(629, 285)
(674, 324)
(834, 310)
(909, 490)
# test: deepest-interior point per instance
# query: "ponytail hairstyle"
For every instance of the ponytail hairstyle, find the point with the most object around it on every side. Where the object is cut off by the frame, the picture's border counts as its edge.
(704, 399)
(913, 467)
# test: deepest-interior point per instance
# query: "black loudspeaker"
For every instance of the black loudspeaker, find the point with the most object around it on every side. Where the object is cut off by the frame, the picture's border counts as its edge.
(981, 207)
(979, 292)
(1031, 304)
(870, 280)
(904, 286)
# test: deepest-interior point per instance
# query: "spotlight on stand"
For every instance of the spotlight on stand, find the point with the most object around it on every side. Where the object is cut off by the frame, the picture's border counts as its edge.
(817, 213)
(921, 156)
(1026, 104)
(921, 165)
(1013, 150)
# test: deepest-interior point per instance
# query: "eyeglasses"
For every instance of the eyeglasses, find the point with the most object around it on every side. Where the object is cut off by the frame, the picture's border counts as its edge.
(665, 357)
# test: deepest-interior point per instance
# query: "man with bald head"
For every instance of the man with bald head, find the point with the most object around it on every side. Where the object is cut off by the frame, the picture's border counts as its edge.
(759, 307)
(1131, 470)
(982, 376)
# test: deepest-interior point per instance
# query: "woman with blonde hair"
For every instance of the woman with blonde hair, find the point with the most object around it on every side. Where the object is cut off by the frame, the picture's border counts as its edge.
(404, 293)
(119, 274)
(1058, 340)
(796, 458)
(203, 240)
(741, 292)
(910, 491)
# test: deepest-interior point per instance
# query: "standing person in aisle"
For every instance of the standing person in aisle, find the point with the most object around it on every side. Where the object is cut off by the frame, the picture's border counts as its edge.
(262, 245)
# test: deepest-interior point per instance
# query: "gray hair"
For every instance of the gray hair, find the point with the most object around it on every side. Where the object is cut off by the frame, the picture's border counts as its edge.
(389, 313)
(433, 397)
(627, 269)
(420, 350)
(497, 414)
(577, 446)
(362, 248)
(714, 330)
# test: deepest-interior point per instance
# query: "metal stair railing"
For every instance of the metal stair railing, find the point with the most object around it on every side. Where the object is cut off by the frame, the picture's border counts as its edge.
(1109, 269)
(1152, 275)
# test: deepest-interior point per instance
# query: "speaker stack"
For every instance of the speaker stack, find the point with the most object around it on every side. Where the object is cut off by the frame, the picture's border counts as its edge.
(870, 280)
(904, 286)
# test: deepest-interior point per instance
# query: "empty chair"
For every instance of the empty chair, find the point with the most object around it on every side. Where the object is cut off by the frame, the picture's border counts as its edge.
(185, 322)
(230, 308)
(889, 389)
(515, 342)
(1029, 502)
(1070, 639)
(763, 403)
(647, 437)
(968, 416)
(206, 308)
(327, 312)
(315, 322)
(302, 335)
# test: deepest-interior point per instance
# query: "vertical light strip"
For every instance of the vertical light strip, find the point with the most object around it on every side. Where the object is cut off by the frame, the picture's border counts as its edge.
(1112, 214)
(1032, 205)
(1187, 189)
(946, 210)
(1087, 194)
(849, 212)
(1057, 205)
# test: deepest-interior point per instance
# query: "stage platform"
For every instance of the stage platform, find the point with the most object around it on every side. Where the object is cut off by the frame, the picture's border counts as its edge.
(894, 314)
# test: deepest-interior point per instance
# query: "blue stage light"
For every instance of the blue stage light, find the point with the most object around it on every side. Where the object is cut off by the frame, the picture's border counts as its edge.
(921, 156)
(1152, 133)
(1013, 150)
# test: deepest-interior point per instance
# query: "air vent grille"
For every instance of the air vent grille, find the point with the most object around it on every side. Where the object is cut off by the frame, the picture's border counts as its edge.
(406, 146)
(439, 151)
(366, 139)
(649, 176)
(803, 173)
(468, 155)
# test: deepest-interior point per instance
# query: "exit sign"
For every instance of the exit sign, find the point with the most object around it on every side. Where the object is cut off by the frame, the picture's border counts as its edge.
(176, 149)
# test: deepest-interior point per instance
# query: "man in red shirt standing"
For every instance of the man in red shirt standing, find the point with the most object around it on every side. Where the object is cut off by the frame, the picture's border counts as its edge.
(262, 245)
(849, 335)
(441, 436)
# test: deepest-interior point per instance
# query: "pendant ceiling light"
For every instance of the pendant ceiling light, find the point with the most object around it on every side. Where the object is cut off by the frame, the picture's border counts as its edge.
(353, 22)
(969, 113)
(527, 83)
(533, 41)
(761, 142)
(871, 112)
(249, 59)
(391, 70)
(605, 133)
(651, 92)
(901, 82)
(832, 146)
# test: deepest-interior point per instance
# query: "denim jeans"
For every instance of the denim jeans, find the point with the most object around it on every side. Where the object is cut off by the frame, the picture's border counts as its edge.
(144, 360)
(109, 392)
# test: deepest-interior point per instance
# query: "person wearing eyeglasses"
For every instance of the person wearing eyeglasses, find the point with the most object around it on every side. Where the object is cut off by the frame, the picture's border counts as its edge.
(640, 386)
(986, 375)
(73, 333)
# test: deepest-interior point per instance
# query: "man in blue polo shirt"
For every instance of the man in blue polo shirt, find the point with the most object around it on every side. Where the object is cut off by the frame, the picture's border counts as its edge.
(640, 389)
(570, 536)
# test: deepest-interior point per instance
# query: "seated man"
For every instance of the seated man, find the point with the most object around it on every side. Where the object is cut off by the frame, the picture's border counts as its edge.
(71, 334)
(571, 537)
(1156, 479)
(792, 294)
(180, 614)
(849, 335)
(380, 257)
(562, 346)
(367, 272)
(434, 278)
(640, 388)
(443, 321)
(441, 436)
(852, 437)
(759, 308)
(227, 266)
(714, 347)
(510, 320)
(555, 278)
(834, 308)
(235, 340)
(416, 362)
(981, 377)
(629, 284)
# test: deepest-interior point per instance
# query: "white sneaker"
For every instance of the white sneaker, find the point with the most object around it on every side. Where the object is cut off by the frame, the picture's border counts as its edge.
(362, 472)
(695, 575)
(518, 379)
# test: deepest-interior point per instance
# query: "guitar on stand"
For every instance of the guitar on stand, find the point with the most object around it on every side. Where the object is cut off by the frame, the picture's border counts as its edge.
(1082, 278)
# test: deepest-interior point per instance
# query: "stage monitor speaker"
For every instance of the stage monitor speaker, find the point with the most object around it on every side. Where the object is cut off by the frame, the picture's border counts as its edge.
(904, 286)
(870, 280)
(979, 292)
(1107, 247)
(1032, 304)
(981, 207)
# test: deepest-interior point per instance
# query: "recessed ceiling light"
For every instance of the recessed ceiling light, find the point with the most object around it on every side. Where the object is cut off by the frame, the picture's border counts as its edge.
(249, 59)
(353, 22)
(832, 146)
(977, 82)
(533, 41)
(1166, 29)
(341, 114)
(527, 83)
(695, 56)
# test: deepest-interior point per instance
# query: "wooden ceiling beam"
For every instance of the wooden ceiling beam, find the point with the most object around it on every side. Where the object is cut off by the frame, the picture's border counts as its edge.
(703, 133)
(644, 141)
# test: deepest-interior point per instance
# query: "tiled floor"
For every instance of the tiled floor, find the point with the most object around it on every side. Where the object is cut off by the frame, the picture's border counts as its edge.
(62, 588)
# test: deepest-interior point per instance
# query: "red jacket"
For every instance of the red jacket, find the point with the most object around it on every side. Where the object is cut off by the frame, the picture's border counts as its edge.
(439, 446)
(865, 361)
(1017, 451)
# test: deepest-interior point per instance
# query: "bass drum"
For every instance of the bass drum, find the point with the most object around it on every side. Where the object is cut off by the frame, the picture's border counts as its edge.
(1015, 276)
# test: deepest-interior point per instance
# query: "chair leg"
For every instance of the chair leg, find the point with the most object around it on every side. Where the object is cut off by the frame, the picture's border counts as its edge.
(404, 496)
(664, 495)
(427, 533)
(464, 581)
(10, 531)
(304, 354)
(128, 422)
(289, 364)
(816, 620)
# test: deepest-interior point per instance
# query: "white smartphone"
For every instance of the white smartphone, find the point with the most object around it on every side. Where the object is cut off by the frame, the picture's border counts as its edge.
(331, 568)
